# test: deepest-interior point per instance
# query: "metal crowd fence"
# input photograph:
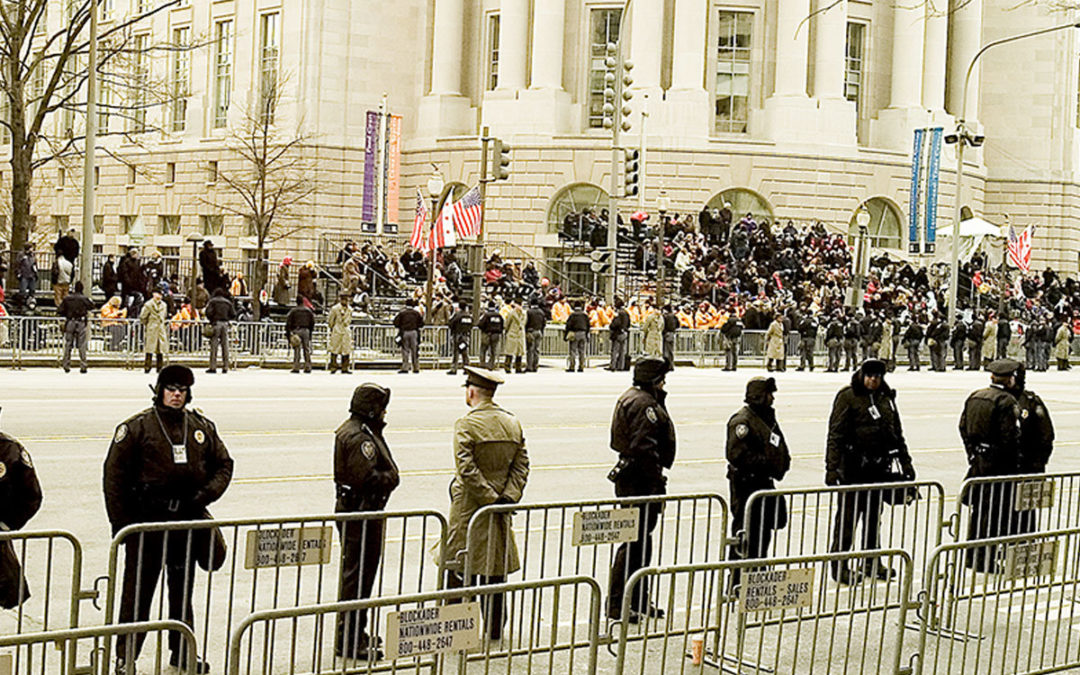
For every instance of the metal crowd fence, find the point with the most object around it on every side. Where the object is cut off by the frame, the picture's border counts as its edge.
(1005, 505)
(58, 652)
(227, 569)
(909, 516)
(778, 615)
(1003, 605)
(437, 632)
(49, 591)
(589, 537)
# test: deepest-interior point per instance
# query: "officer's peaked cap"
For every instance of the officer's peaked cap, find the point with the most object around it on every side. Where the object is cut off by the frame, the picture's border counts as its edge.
(651, 370)
(369, 400)
(1004, 367)
(171, 375)
(757, 388)
(483, 378)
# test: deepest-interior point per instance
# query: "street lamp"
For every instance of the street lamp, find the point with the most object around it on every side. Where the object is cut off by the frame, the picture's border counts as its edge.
(860, 261)
(662, 206)
(965, 136)
(435, 187)
(87, 254)
(194, 238)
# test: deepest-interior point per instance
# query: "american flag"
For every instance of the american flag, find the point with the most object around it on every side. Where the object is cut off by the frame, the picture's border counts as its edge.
(467, 214)
(417, 239)
(1020, 248)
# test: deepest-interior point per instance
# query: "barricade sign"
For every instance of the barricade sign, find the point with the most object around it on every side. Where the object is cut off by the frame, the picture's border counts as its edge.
(999, 506)
(433, 630)
(1030, 559)
(1034, 495)
(289, 546)
(606, 526)
(766, 590)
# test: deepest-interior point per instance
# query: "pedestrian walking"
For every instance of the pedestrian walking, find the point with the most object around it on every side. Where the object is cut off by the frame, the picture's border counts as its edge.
(339, 323)
(865, 444)
(153, 316)
(365, 475)
(576, 334)
(75, 308)
(643, 434)
(299, 324)
(460, 328)
(20, 500)
(219, 312)
(492, 467)
(408, 323)
(166, 463)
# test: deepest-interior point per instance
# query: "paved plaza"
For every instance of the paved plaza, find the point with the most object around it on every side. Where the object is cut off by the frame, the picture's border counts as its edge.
(279, 428)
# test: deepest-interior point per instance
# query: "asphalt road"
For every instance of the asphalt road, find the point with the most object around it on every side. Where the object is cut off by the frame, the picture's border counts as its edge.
(279, 428)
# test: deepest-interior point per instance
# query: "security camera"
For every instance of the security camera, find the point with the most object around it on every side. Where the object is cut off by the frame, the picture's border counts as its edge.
(950, 139)
(977, 141)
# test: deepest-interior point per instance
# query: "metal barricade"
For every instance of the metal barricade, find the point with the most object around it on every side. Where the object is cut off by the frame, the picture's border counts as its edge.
(1016, 504)
(51, 564)
(232, 568)
(1003, 605)
(586, 537)
(59, 652)
(783, 615)
(437, 632)
(830, 519)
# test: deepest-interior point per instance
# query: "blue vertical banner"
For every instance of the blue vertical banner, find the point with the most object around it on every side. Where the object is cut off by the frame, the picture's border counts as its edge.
(914, 196)
(933, 175)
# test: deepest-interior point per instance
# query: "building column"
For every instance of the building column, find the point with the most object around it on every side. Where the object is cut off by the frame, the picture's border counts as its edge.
(685, 112)
(966, 39)
(837, 116)
(444, 111)
(789, 113)
(894, 125)
(646, 39)
(513, 43)
(546, 104)
(934, 55)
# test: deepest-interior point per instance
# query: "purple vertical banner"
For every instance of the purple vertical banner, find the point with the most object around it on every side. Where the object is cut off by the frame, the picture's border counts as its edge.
(371, 147)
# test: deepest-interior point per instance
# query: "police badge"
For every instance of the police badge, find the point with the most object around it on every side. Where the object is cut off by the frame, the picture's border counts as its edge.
(200, 437)
(368, 448)
(651, 414)
(121, 433)
(741, 431)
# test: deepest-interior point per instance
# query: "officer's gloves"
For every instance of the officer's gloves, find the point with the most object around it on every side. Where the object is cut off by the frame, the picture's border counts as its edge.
(832, 478)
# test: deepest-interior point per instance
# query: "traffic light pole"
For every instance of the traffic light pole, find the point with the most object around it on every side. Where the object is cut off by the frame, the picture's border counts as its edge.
(478, 272)
(613, 199)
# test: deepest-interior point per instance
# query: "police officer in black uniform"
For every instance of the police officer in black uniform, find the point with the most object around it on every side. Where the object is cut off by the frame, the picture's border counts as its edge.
(299, 324)
(165, 463)
(20, 499)
(408, 323)
(671, 325)
(535, 321)
(865, 444)
(974, 342)
(990, 427)
(1036, 439)
(365, 474)
(460, 327)
(732, 333)
(757, 456)
(834, 341)
(74, 308)
(956, 340)
(852, 337)
(937, 335)
(619, 334)
(491, 332)
(913, 337)
(643, 434)
(808, 329)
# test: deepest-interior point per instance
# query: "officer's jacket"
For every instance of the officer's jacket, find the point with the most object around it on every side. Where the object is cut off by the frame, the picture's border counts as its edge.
(853, 329)
(990, 428)
(732, 329)
(461, 323)
(757, 452)
(535, 319)
(364, 469)
(20, 492)
(145, 482)
(491, 323)
(408, 319)
(938, 331)
(621, 323)
(865, 435)
(1036, 433)
(959, 333)
(835, 331)
(914, 333)
(975, 333)
(642, 431)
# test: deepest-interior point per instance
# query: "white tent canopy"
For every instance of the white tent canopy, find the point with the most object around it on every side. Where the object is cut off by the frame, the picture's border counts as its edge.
(973, 227)
(975, 234)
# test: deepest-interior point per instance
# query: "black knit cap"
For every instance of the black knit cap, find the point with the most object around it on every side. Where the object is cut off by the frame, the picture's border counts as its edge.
(369, 400)
(651, 370)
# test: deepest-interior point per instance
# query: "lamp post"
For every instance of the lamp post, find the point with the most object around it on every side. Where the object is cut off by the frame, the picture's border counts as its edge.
(435, 187)
(194, 238)
(662, 206)
(86, 258)
(862, 254)
(965, 136)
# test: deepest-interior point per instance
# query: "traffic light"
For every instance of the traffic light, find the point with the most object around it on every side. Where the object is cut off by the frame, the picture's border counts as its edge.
(500, 159)
(627, 80)
(631, 173)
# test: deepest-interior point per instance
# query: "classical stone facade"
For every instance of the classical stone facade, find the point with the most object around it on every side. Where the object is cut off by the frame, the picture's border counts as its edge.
(808, 112)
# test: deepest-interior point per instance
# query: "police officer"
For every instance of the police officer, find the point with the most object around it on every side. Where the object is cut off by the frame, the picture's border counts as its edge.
(492, 468)
(299, 323)
(990, 427)
(732, 333)
(937, 337)
(20, 499)
(491, 331)
(74, 308)
(852, 338)
(913, 337)
(808, 329)
(576, 334)
(1046, 341)
(1004, 334)
(834, 340)
(365, 474)
(408, 323)
(865, 444)
(535, 322)
(619, 332)
(974, 342)
(643, 434)
(956, 340)
(165, 463)
(460, 327)
(1036, 440)
(757, 456)
(869, 326)
(671, 325)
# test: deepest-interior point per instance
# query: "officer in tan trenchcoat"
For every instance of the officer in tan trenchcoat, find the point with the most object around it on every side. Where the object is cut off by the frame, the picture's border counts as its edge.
(653, 327)
(492, 467)
(340, 343)
(155, 335)
(774, 345)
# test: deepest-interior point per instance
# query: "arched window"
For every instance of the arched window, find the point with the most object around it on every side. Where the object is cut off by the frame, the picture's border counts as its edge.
(574, 203)
(886, 223)
(743, 201)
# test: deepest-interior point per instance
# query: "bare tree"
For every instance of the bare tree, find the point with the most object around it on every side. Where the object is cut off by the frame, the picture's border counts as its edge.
(43, 74)
(270, 177)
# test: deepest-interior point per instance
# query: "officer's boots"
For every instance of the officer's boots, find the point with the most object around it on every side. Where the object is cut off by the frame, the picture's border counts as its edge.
(517, 365)
(344, 364)
(333, 364)
(149, 363)
(842, 574)
(160, 362)
(506, 365)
